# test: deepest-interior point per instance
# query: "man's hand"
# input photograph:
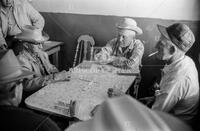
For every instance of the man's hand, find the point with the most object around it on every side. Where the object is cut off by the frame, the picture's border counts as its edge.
(119, 61)
(63, 75)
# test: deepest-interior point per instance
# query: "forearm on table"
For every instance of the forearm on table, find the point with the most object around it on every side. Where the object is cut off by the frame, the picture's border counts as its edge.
(33, 84)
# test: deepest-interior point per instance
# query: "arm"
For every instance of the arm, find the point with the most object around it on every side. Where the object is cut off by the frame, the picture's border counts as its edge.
(106, 51)
(168, 98)
(3, 44)
(137, 54)
(36, 18)
(35, 82)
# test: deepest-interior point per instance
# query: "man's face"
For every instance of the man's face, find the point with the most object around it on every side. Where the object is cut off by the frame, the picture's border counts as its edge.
(125, 37)
(7, 3)
(163, 47)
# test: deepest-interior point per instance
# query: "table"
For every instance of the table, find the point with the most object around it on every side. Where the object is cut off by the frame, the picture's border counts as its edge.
(53, 48)
(88, 86)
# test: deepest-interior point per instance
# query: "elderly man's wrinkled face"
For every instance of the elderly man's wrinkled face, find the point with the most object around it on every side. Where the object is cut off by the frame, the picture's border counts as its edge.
(34, 47)
(125, 37)
(7, 3)
(163, 46)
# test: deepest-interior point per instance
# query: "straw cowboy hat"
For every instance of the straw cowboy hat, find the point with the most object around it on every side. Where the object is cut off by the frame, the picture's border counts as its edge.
(10, 69)
(127, 114)
(32, 34)
(180, 34)
(129, 24)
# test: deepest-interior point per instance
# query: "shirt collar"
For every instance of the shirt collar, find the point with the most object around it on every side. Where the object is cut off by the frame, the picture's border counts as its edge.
(131, 45)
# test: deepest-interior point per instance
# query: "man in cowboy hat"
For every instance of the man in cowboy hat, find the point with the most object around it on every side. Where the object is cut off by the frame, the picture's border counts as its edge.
(14, 15)
(179, 86)
(125, 50)
(127, 114)
(13, 117)
(34, 59)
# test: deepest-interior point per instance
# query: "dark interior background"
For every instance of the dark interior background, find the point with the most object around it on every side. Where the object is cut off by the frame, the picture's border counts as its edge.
(68, 27)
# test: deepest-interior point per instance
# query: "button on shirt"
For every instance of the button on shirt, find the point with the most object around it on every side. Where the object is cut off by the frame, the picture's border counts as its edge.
(179, 89)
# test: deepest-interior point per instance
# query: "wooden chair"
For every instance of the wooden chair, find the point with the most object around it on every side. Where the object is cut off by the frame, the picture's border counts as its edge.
(133, 90)
(85, 44)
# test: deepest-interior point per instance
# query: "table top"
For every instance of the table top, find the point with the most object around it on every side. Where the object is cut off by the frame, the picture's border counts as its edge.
(48, 45)
(88, 86)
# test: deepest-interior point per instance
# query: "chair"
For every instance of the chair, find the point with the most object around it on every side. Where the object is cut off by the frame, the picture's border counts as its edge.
(85, 44)
(133, 90)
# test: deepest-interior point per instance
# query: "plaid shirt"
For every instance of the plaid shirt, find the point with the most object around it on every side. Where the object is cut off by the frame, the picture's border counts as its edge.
(133, 53)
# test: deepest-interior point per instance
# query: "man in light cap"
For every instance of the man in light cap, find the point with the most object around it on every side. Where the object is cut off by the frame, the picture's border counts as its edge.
(127, 114)
(13, 117)
(179, 86)
(124, 51)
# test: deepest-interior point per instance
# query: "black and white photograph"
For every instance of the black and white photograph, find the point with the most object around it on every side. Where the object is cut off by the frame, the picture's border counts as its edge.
(99, 65)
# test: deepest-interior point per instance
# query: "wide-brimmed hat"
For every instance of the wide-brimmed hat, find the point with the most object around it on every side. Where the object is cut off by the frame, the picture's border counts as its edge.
(10, 69)
(32, 34)
(180, 34)
(127, 114)
(129, 24)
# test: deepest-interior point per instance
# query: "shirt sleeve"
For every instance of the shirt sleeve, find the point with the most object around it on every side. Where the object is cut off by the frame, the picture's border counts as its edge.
(137, 54)
(35, 17)
(106, 51)
(3, 44)
(169, 96)
(32, 83)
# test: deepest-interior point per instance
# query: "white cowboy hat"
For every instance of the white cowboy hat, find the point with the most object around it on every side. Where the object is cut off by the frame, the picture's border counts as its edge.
(10, 69)
(127, 114)
(129, 24)
(32, 34)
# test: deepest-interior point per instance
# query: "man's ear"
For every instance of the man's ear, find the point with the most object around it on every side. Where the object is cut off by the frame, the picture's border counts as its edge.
(172, 49)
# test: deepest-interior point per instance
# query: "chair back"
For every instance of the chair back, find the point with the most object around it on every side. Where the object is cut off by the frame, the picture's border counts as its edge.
(85, 44)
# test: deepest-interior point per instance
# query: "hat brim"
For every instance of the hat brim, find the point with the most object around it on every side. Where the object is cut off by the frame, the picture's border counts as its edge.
(21, 37)
(163, 31)
(23, 75)
(133, 28)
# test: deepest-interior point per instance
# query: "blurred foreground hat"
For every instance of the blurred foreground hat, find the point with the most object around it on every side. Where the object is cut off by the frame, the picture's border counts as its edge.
(10, 69)
(180, 34)
(129, 24)
(32, 34)
(127, 114)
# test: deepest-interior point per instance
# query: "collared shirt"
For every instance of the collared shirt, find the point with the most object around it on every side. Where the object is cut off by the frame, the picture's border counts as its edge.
(133, 52)
(23, 14)
(39, 64)
(13, 28)
(179, 89)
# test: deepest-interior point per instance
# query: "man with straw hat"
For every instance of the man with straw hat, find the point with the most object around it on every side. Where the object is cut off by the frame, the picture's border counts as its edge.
(124, 51)
(13, 117)
(34, 59)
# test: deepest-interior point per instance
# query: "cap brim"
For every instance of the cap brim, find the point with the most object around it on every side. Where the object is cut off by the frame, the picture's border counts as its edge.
(21, 37)
(24, 74)
(163, 31)
(135, 28)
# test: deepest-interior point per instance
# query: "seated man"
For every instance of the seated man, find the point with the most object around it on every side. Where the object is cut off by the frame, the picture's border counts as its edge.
(13, 117)
(33, 58)
(15, 14)
(124, 51)
(127, 114)
(179, 86)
